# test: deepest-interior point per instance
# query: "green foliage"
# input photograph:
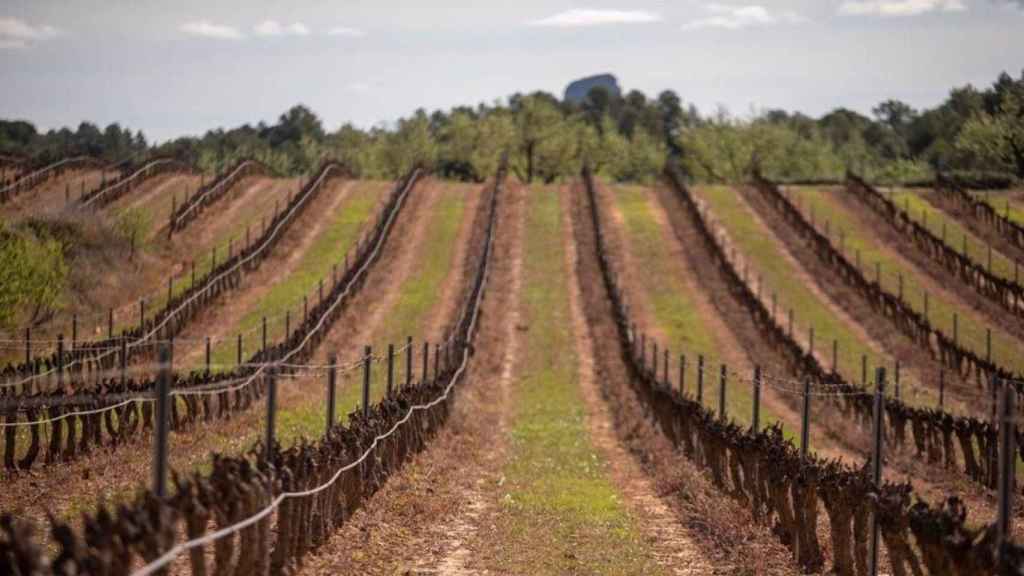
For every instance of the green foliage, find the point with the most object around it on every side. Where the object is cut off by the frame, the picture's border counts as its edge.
(996, 140)
(32, 276)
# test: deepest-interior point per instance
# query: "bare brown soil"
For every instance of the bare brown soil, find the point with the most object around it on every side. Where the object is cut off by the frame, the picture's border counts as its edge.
(726, 538)
(49, 197)
(427, 518)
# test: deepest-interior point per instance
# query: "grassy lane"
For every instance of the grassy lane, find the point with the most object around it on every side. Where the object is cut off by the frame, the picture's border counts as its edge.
(673, 302)
(327, 249)
(941, 307)
(780, 274)
(420, 293)
(560, 512)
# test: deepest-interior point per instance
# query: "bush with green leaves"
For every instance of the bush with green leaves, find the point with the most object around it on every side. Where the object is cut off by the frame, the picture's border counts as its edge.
(33, 275)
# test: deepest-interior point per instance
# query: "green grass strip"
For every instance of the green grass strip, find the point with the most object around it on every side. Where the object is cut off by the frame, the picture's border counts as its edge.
(561, 514)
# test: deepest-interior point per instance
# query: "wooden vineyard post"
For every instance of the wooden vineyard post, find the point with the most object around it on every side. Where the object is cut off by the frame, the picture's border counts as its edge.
(756, 417)
(391, 369)
(271, 412)
(426, 363)
(305, 308)
(668, 381)
(654, 361)
(287, 324)
(835, 356)
(163, 421)
(805, 420)
(956, 328)
(239, 358)
(110, 324)
(876, 463)
(721, 393)
(332, 382)
(74, 331)
(142, 314)
(682, 374)
(700, 379)
(124, 360)
(408, 361)
(864, 370)
(367, 359)
(207, 355)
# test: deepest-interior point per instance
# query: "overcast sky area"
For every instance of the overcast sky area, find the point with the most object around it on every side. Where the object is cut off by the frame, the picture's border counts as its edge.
(183, 67)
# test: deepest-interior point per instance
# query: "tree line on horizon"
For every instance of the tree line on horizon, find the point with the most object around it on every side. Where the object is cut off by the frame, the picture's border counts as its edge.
(976, 132)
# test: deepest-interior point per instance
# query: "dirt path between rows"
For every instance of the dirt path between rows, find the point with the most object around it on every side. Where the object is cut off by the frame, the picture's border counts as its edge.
(49, 197)
(283, 261)
(725, 538)
(672, 545)
(426, 518)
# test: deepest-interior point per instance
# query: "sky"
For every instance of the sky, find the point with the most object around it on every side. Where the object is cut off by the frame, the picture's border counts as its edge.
(181, 68)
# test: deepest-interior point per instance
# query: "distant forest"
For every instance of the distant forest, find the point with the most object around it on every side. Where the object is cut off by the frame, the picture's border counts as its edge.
(976, 133)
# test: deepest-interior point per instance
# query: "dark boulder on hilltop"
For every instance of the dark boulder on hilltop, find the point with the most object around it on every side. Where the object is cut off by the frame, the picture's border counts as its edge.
(578, 90)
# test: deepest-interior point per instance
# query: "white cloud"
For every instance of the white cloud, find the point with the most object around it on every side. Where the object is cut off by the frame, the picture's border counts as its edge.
(346, 31)
(275, 28)
(15, 33)
(207, 29)
(899, 7)
(730, 17)
(591, 17)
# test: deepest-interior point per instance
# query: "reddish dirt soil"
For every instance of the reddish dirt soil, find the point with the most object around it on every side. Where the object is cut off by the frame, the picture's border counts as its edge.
(49, 197)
